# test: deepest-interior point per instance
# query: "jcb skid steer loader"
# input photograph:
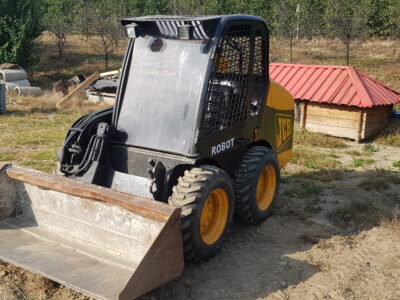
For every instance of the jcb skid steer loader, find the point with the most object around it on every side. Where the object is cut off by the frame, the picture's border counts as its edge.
(197, 136)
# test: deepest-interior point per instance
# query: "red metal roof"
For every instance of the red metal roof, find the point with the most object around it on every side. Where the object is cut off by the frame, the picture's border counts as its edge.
(332, 84)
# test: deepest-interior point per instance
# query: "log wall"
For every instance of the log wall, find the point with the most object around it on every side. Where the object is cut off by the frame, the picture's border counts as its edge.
(344, 121)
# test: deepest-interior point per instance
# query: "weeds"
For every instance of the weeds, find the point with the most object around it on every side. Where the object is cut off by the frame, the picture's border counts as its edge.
(306, 189)
(361, 162)
(369, 148)
(311, 206)
(396, 164)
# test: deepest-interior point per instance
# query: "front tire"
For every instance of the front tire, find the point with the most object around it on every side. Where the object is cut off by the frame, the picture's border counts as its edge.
(256, 185)
(206, 197)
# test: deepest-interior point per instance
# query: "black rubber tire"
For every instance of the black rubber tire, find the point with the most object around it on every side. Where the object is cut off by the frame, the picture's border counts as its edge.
(190, 194)
(245, 181)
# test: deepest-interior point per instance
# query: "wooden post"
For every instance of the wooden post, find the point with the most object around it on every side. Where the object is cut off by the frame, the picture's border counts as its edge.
(80, 88)
(303, 116)
(360, 126)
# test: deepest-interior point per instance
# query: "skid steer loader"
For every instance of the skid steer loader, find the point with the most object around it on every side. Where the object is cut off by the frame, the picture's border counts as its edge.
(197, 137)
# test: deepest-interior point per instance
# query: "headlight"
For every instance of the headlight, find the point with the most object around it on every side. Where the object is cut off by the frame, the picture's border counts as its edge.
(131, 30)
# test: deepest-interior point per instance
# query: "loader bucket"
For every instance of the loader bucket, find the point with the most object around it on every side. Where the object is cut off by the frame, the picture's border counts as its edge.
(103, 243)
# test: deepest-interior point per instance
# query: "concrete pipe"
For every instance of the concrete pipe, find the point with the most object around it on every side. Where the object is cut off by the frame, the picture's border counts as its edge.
(13, 75)
(10, 86)
(27, 90)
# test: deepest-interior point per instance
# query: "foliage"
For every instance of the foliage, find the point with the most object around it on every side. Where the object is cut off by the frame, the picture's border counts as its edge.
(20, 25)
(394, 18)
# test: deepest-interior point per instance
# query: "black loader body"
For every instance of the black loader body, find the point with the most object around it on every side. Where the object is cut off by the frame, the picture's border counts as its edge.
(192, 92)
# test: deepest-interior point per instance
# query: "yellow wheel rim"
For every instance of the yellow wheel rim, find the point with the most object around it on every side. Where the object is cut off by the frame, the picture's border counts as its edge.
(266, 187)
(214, 216)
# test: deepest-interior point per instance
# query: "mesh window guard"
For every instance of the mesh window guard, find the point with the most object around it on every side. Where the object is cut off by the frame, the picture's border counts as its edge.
(260, 74)
(226, 101)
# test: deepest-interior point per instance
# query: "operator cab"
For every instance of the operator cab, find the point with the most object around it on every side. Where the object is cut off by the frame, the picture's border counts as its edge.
(185, 78)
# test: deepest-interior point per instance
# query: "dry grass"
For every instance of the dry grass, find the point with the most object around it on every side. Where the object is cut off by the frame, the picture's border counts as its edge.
(379, 180)
(313, 159)
(79, 58)
(357, 153)
(323, 175)
(311, 139)
(364, 214)
(391, 135)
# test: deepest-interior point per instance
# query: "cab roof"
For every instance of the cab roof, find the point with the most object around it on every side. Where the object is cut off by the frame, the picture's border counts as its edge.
(204, 27)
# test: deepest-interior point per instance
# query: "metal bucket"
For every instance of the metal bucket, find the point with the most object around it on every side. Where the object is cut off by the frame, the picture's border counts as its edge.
(103, 243)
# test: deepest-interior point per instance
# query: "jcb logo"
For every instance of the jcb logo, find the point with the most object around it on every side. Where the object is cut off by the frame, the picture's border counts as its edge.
(283, 130)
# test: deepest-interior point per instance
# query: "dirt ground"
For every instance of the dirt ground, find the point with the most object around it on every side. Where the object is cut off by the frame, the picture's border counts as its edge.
(320, 243)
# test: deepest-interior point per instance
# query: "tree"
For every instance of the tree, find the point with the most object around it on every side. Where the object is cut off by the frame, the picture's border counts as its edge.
(100, 22)
(20, 25)
(59, 21)
(347, 21)
(286, 21)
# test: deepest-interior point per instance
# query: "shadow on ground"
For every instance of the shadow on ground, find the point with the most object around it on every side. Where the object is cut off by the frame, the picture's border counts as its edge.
(253, 263)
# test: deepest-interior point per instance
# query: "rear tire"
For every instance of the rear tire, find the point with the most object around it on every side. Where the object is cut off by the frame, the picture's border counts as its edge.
(206, 197)
(256, 181)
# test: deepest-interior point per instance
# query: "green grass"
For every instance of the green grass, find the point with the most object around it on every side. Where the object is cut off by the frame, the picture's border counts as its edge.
(305, 189)
(361, 162)
(396, 164)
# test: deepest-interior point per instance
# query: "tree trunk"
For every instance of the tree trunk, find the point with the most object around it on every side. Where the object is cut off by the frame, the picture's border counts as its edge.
(106, 59)
(60, 50)
(347, 54)
(291, 51)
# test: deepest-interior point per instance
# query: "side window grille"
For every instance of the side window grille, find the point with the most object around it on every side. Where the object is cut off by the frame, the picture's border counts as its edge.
(226, 101)
(260, 76)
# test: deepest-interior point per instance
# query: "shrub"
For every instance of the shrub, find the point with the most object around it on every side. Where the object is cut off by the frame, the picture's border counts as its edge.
(20, 25)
